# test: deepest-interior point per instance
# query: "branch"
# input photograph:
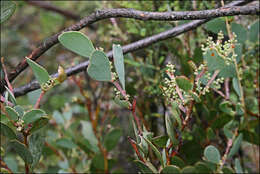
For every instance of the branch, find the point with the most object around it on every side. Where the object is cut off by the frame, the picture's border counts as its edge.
(126, 49)
(49, 7)
(135, 14)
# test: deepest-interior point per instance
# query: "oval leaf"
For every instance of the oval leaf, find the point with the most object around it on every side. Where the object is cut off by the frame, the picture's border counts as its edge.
(112, 138)
(7, 9)
(22, 151)
(11, 113)
(99, 67)
(7, 131)
(212, 154)
(38, 124)
(184, 83)
(171, 169)
(119, 63)
(235, 145)
(33, 115)
(66, 143)
(77, 42)
(40, 73)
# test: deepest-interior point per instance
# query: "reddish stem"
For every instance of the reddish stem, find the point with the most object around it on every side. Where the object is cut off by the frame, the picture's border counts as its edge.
(120, 89)
(37, 104)
(6, 76)
(135, 117)
(133, 143)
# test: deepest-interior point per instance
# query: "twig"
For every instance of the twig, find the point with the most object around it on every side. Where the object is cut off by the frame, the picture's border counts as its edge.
(135, 117)
(120, 89)
(37, 104)
(141, 15)
(6, 76)
(227, 87)
(133, 143)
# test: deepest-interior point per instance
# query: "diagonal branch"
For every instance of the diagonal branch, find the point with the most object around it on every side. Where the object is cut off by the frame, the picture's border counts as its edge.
(141, 15)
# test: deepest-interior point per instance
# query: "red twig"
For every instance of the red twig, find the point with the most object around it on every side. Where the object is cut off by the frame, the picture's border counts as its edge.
(37, 104)
(2, 99)
(6, 76)
(133, 143)
(123, 92)
(135, 117)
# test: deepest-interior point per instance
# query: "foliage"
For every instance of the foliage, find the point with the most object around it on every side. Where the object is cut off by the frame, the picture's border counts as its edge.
(186, 105)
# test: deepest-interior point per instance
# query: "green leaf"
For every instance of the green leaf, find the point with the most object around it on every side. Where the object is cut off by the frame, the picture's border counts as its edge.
(227, 170)
(122, 103)
(10, 94)
(22, 151)
(215, 62)
(184, 83)
(40, 73)
(119, 63)
(33, 96)
(99, 67)
(239, 109)
(143, 167)
(236, 145)
(38, 124)
(112, 138)
(7, 131)
(160, 141)
(217, 25)
(254, 32)
(225, 106)
(202, 167)
(236, 86)
(177, 161)
(89, 135)
(188, 169)
(212, 154)
(12, 113)
(19, 109)
(66, 143)
(7, 10)
(171, 169)
(33, 115)
(170, 129)
(36, 144)
(238, 167)
(98, 161)
(156, 151)
(77, 42)
(240, 32)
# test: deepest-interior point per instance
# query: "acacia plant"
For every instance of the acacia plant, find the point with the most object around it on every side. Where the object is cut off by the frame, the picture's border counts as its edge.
(195, 112)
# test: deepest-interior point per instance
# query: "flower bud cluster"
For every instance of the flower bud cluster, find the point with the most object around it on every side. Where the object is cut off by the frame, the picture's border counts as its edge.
(225, 51)
(120, 96)
(20, 124)
(113, 73)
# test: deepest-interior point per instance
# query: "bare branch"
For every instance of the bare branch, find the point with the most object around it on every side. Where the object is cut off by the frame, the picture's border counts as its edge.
(141, 15)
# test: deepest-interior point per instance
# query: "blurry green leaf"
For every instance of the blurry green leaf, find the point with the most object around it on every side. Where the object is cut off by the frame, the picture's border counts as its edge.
(202, 167)
(177, 161)
(40, 73)
(236, 145)
(225, 106)
(254, 32)
(238, 51)
(171, 169)
(58, 117)
(236, 86)
(240, 32)
(119, 63)
(19, 109)
(143, 146)
(227, 170)
(239, 109)
(160, 141)
(122, 103)
(238, 167)
(212, 154)
(170, 129)
(36, 143)
(184, 83)
(251, 137)
(33, 96)
(11, 162)
(98, 161)
(7, 9)
(217, 25)
(99, 67)
(89, 135)
(66, 143)
(188, 169)
(156, 151)
(33, 115)
(11, 113)
(10, 94)
(195, 96)
(112, 138)
(77, 42)
(38, 124)
(210, 133)
(7, 131)
(22, 151)
(144, 168)
(215, 62)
